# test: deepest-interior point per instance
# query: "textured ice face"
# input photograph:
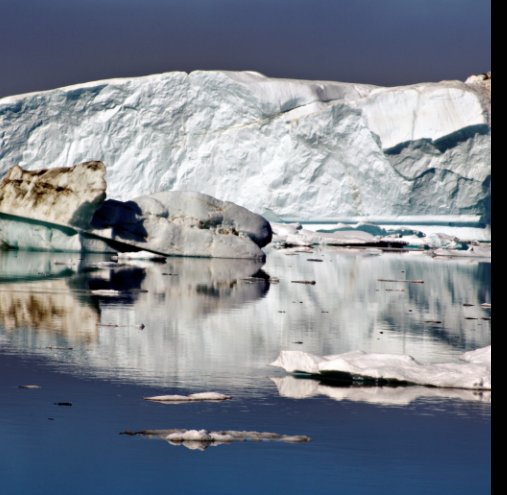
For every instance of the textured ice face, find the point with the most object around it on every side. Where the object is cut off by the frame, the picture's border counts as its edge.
(302, 149)
(184, 224)
(68, 195)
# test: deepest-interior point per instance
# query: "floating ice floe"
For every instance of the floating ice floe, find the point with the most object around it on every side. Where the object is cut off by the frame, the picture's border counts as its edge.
(297, 388)
(362, 235)
(477, 251)
(197, 397)
(471, 371)
(291, 235)
(202, 439)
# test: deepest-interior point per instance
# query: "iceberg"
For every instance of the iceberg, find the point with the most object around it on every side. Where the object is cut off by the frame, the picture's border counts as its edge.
(304, 150)
(472, 372)
(179, 223)
(65, 209)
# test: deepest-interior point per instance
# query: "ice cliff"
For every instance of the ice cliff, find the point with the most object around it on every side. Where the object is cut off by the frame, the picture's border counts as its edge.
(301, 149)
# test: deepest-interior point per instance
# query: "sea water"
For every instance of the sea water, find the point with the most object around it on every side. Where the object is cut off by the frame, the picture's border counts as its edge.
(96, 337)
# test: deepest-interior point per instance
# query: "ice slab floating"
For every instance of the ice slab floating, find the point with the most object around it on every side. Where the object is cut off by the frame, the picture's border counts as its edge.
(302, 149)
(473, 371)
(197, 397)
(464, 242)
(202, 439)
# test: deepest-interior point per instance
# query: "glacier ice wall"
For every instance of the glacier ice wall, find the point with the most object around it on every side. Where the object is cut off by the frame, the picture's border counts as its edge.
(302, 149)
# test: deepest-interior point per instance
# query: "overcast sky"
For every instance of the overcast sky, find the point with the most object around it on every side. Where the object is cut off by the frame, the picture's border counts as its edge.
(51, 43)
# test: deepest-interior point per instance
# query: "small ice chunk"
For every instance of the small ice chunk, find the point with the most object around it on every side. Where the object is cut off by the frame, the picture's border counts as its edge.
(292, 361)
(106, 292)
(200, 396)
(209, 396)
(190, 436)
(141, 255)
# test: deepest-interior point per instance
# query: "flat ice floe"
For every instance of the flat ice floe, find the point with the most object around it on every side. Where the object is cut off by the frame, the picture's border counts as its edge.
(472, 371)
(466, 242)
(140, 255)
(202, 439)
(197, 397)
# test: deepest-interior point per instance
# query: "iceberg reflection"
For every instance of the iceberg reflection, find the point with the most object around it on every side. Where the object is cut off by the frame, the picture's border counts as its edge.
(204, 324)
(301, 388)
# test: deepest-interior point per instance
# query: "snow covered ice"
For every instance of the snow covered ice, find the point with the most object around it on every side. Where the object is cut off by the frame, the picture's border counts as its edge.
(197, 397)
(307, 150)
(472, 371)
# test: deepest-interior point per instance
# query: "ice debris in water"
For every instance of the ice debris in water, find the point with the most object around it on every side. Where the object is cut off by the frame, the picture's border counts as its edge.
(472, 371)
(287, 235)
(140, 255)
(202, 439)
(200, 396)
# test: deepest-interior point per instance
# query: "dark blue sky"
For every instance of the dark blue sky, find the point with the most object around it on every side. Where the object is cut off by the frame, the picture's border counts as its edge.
(50, 43)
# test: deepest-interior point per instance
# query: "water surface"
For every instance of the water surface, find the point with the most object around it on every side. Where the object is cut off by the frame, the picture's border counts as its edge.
(192, 325)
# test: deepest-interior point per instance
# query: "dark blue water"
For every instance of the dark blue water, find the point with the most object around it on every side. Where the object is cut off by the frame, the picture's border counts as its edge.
(208, 329)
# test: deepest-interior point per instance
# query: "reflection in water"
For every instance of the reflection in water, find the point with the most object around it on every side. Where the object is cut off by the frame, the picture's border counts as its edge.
(47, 308)
(213, 323)
(351, 306)
(300, 388)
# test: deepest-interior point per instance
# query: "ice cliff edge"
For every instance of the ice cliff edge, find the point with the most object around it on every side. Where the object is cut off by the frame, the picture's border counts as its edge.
(302, 149)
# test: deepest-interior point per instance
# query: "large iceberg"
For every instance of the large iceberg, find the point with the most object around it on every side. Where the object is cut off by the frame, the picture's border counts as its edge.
(305, 150)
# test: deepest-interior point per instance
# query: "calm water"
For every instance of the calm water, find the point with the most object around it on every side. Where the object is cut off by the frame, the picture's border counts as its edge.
(207, 326)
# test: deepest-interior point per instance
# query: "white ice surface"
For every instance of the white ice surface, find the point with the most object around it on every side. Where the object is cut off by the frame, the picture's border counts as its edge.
(199, 396)
(473, 372)
(139, 255)
(291, 235)
(302, 149)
